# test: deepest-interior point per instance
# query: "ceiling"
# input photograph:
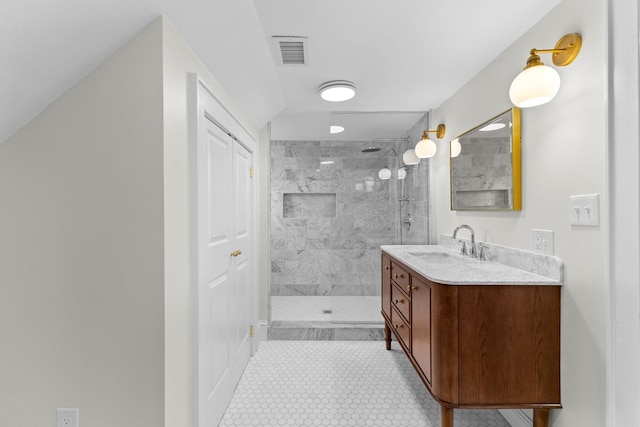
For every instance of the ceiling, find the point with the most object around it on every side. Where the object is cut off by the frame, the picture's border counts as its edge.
(405, 56)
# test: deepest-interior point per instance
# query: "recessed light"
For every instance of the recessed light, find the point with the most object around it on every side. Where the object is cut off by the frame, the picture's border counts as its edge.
(327, 162)
(337, 90)
(336, 129)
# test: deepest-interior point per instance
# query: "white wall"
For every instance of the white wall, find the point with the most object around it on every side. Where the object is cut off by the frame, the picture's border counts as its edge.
(178, 61)
(623, 362)
(264, 222)
(564, 146)
(95, 229)
(81, 226)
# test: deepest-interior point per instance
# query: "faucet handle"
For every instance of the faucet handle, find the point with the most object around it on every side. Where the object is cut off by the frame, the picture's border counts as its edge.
(463, 249)
(481, 256)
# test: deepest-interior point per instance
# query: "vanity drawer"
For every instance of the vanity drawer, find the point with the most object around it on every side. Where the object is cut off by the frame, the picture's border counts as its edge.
(399, 275)
(401, 302)
(403, 333)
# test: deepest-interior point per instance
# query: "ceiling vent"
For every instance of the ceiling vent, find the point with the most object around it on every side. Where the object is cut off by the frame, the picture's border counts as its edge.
(291, 50)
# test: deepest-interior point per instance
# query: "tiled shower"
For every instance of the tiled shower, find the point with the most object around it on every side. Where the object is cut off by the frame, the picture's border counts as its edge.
(330, 213)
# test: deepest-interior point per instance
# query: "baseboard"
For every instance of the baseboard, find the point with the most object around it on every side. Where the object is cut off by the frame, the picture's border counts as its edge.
(516, 417)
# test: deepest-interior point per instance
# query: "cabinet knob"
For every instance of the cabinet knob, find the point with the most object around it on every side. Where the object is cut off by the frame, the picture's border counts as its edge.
(396, 326)
(386, 267)
(398, 276)
(399, 301)
(236, 253)
(409, 287)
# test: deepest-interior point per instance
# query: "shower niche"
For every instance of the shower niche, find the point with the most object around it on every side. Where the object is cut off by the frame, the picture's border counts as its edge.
(309, 205)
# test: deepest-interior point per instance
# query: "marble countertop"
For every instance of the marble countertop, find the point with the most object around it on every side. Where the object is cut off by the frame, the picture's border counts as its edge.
(444, 265)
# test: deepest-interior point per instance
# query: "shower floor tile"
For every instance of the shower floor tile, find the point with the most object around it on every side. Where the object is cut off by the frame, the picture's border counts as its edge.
(325, 309)
(338, 383)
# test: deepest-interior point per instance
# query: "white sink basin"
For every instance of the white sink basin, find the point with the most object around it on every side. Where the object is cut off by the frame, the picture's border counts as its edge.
(436, 257)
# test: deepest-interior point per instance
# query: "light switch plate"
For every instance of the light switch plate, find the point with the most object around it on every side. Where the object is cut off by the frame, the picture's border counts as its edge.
(543, 241)
(585, 210)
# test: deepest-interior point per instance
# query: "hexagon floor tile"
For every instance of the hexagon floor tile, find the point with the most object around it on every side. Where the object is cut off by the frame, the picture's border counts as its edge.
(338, 383)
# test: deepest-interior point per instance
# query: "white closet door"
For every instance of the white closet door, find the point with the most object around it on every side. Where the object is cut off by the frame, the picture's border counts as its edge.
(223, 297)
(240, 293)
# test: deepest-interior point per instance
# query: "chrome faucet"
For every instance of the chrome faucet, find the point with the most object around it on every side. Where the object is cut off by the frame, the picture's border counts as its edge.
(473, 252)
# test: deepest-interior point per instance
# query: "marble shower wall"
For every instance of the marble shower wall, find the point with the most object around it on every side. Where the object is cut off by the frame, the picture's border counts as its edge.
(328, 220)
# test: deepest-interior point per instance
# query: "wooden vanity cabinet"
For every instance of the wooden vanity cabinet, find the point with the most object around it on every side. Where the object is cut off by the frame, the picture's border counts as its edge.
(386, 287)
(477, 346)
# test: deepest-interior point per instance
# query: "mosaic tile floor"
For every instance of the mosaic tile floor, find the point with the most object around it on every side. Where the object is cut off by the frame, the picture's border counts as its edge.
(326, 308)
(338, 383)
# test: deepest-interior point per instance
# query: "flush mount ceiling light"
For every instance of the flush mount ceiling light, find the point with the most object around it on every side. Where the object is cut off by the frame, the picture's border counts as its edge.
(337, 90)
(335, 129)
(538, 84)
(426, 148)
(492, 126)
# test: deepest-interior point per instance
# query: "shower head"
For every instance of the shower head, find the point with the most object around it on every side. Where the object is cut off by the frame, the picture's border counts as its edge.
(371, 150)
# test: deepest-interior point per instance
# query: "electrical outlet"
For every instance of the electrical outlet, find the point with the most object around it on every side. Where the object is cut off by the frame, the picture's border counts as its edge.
(543, 241)
(68, 417)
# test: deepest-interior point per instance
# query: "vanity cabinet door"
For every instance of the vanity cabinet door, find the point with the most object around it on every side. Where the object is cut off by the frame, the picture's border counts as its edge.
(509, 344)
(386, 285)
(421, 324)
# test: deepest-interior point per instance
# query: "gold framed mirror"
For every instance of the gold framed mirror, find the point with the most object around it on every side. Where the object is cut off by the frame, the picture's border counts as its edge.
(485, 165)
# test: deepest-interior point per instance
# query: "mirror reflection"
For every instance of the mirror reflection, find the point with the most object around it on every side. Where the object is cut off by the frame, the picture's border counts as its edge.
(485, 165)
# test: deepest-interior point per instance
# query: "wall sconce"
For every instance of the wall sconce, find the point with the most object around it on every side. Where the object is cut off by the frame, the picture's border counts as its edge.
(456, 147)
(409, 157)
(384, 173)
(402, 173)
(538, 84)
(426, 148)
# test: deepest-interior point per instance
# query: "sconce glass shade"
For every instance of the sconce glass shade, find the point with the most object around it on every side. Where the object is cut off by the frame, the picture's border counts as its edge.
(409, 157)
(402, 173)
(425, 148)
(384, 174)
(534, 86)
(456, 148)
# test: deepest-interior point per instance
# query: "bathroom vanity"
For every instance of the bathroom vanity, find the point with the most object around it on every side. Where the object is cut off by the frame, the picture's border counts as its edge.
(480, 334)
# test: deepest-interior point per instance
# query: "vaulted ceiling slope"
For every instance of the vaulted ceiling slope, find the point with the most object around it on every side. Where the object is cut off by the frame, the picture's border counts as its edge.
(404, 55)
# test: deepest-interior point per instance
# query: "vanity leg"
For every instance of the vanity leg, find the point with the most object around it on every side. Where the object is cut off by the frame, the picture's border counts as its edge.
(387, 336)
(540, 417)
(446, 416)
